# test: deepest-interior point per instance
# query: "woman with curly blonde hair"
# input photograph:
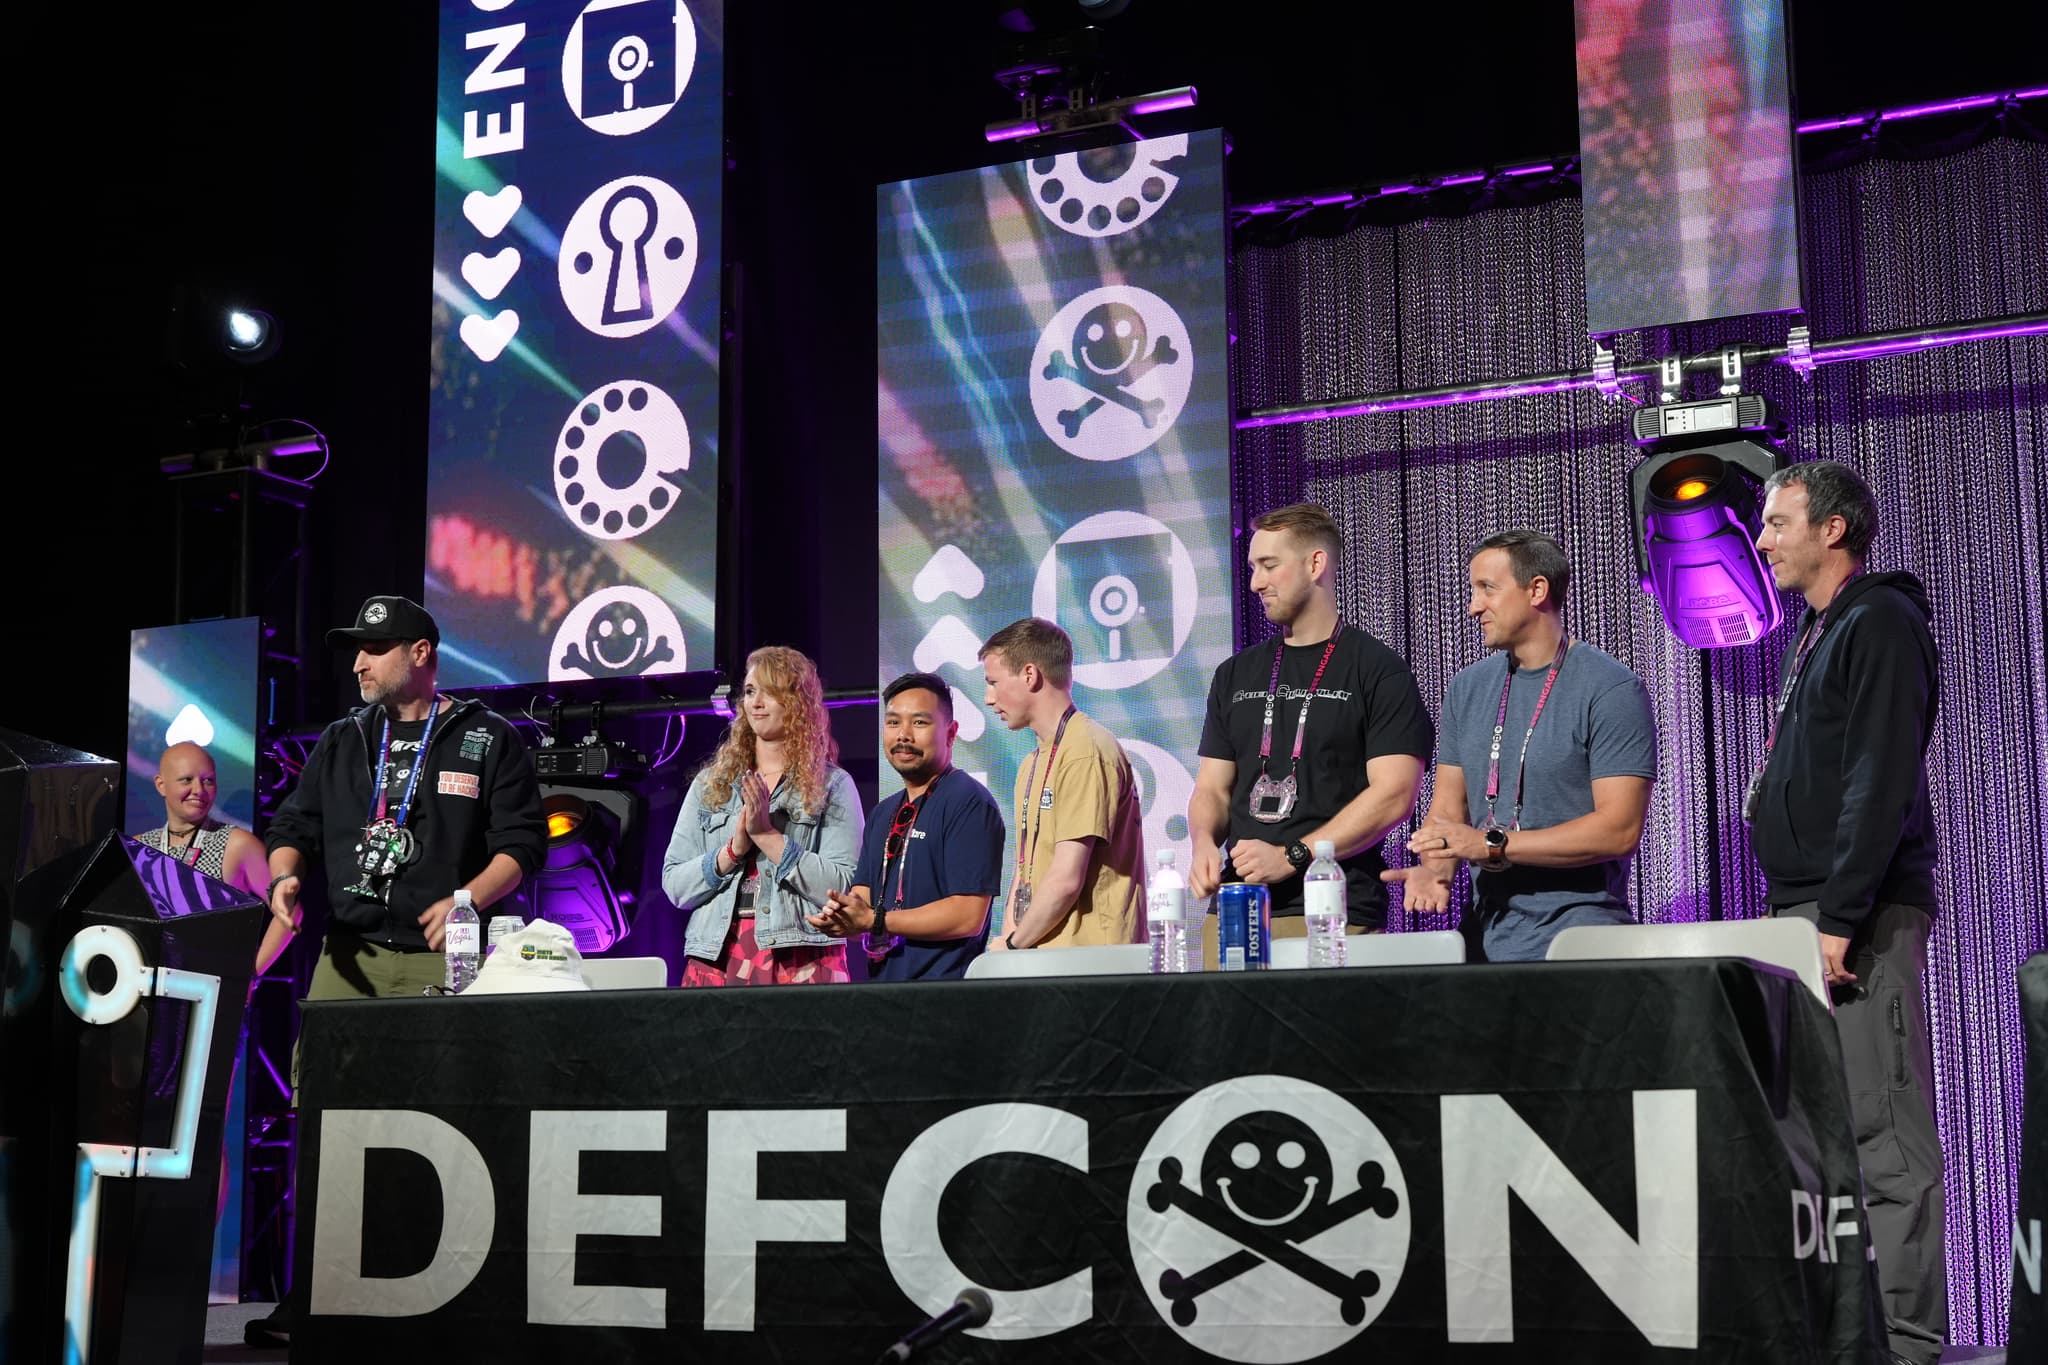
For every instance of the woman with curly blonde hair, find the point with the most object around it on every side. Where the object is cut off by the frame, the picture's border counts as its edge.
(769, 826)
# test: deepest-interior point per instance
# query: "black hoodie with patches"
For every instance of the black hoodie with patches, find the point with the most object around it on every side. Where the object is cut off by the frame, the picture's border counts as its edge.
(478, 797)
(1842, 815)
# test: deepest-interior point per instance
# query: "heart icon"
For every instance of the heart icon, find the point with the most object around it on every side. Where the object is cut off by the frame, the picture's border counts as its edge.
(488, 337)
(190, 727)
(488, 213)
(489, 275)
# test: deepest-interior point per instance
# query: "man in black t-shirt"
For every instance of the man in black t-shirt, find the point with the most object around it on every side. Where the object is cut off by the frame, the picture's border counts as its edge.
(1348, 775)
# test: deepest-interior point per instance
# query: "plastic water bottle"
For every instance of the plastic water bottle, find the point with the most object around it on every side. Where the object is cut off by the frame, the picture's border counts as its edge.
(501, 928)
(1166, 916)
(463, 944)
(1324, 907)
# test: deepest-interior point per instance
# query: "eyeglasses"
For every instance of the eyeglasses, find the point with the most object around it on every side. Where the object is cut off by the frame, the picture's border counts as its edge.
(899, 830)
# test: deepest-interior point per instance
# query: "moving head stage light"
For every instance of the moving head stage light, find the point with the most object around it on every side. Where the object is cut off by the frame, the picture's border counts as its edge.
(587, 828)
(1696, 497)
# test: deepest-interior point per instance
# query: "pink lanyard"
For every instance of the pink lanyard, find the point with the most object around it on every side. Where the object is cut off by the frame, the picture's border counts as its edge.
(1500, 723)
(1025, 860)
(1273, 695)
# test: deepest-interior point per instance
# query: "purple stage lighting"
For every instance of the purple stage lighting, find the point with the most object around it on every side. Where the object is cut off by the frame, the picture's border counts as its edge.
(1696, 528)
(586, 828)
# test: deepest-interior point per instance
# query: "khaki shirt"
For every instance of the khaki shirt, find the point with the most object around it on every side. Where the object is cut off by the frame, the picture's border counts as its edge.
(1094, 796)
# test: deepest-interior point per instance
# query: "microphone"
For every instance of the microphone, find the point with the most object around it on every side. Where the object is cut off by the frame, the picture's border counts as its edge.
(971, 1309)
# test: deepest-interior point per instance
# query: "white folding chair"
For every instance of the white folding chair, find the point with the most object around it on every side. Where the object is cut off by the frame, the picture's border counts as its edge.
(1430, 947)
(1095, 959)
(1780, 941)
(625, 973)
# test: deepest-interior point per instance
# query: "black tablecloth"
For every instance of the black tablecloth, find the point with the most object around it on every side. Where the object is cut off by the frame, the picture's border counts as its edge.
(1557, 1161)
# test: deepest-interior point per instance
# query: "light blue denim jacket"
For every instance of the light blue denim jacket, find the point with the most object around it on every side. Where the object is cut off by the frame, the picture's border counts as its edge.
(819, 856)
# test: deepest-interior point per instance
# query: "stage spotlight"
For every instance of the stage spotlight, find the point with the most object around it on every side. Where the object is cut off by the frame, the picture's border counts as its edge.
(1696, 498)
(248, 335)
(587, 827)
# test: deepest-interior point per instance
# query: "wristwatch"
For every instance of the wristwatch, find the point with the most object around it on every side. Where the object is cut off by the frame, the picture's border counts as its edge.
(880, 928)
(1298, 855)
(1496, 848)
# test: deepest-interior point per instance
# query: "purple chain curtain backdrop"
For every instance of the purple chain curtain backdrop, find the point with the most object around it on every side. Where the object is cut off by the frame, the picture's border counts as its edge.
(1952, 440)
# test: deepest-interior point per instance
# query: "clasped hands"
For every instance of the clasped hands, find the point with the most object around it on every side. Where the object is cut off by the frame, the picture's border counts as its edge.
(754, 821)
(843, 915)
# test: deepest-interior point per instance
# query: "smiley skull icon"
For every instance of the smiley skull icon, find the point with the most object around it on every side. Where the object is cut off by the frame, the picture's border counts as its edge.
(1268, 1220)
(1109, 343)
(618, 633)
(1266, 1186)
(1110, 373)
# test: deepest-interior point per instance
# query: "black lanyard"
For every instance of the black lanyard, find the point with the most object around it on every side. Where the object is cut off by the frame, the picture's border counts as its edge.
(902, 859)
(1808, 638)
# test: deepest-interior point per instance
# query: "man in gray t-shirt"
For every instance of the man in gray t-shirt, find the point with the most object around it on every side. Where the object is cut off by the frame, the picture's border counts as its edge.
(1551, 846)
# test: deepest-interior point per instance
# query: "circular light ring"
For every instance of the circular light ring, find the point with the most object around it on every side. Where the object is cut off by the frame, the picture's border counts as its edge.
(1689, 478)
(131, 975)
(565, 814)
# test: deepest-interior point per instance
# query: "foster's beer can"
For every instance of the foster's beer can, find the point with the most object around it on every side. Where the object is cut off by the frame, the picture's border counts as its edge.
(1244, 927)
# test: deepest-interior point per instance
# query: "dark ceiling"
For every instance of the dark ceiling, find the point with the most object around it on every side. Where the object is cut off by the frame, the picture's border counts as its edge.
(283, 151)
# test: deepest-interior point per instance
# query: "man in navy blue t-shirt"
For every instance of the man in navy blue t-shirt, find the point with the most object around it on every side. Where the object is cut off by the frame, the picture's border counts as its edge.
(931, 858)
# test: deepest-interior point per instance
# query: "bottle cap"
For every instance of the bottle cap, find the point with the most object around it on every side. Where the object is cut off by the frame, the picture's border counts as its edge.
(1326, 848)
(1163, 858)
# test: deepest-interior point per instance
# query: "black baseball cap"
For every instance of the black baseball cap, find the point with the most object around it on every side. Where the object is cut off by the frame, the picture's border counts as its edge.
(388, 618)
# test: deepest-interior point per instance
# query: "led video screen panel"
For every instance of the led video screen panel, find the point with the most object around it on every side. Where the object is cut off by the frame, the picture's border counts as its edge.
(1686, 161)
(573, 453)
(1055, 442)
(200, 683)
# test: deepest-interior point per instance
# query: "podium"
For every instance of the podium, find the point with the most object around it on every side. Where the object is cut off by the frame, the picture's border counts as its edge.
(126, 977)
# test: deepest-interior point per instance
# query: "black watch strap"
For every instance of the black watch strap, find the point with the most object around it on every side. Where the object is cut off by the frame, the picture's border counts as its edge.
(881, 924)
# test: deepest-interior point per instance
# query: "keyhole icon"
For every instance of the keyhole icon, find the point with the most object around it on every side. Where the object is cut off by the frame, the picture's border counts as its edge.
(626, 223)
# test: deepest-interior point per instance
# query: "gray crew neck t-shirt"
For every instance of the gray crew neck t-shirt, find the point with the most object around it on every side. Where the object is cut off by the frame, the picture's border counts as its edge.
(1596, 724)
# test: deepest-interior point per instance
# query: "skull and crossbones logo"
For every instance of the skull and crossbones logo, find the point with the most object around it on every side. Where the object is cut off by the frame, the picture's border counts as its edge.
(1268, 1220)
(1110, 373)
(617, 642)
(617, 633)
(1266, 1186)
(1109, 343)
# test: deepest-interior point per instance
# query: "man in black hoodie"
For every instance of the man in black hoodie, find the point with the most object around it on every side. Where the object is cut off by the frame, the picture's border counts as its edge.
(1843, 830)
(403, 802)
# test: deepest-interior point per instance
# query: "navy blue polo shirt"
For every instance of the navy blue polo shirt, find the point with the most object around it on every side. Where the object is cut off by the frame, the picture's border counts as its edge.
(955, 849)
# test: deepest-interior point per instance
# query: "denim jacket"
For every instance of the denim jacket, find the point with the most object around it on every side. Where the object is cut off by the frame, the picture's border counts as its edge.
(819, 856)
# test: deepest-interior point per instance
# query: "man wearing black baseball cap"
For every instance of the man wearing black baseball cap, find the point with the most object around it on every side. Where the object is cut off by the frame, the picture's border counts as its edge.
(403, 802)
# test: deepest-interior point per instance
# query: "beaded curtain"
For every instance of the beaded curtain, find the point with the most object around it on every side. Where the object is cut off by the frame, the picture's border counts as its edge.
(1951, 439)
